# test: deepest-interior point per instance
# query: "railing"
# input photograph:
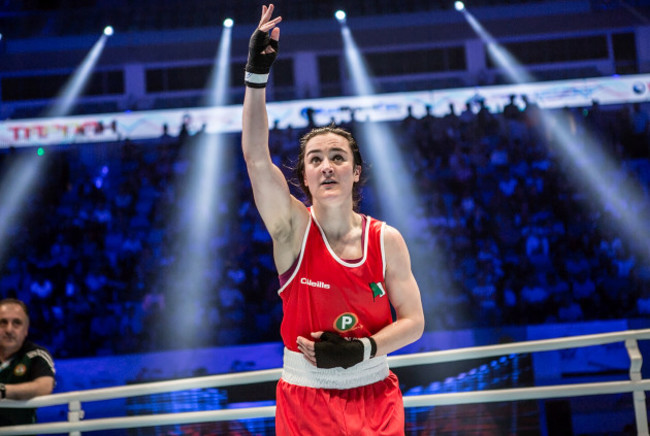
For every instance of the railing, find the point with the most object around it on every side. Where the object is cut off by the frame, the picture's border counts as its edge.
(75, 424)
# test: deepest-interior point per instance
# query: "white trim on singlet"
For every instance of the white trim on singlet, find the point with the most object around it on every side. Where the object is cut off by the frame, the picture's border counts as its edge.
(338, 259)
(300, 256)
(383, 249)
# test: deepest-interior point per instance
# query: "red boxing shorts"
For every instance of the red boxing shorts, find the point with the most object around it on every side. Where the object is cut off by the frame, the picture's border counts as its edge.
(376, 409)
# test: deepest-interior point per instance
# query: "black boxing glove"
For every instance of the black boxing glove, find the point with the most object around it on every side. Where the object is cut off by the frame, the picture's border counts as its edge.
(259, 64)
(333, 351)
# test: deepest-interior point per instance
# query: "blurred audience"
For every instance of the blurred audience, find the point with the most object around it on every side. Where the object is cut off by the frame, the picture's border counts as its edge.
(520, 242)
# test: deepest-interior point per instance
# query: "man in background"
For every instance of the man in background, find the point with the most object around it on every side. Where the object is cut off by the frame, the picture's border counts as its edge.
(26, 369)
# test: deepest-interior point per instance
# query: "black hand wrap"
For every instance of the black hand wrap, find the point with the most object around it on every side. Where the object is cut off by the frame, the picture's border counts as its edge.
(333, 351)
(259, 64)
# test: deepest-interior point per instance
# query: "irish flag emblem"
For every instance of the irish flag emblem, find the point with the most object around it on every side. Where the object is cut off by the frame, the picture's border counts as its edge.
(377, 290)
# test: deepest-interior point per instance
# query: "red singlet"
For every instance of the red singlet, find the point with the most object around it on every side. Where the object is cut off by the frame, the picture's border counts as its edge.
(326, 293)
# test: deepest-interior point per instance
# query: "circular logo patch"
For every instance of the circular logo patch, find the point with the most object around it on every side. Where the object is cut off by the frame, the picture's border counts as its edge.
(20, 370)
(345, 322)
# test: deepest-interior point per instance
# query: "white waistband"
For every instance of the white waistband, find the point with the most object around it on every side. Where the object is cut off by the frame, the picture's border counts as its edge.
(298, 371)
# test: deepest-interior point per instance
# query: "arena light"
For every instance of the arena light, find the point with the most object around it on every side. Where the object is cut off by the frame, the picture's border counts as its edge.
(340, 15)
(228, 23)
(210, 155)
(593, 169)
(16, 186)
(588, 162)
(74, 86)
(399, 201)
(459, 6)
(22, 174)
(499, 55)
(357, 68)
(217, 86)
(108, 30)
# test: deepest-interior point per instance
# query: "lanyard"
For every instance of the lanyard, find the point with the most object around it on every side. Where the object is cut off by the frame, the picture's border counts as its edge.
(5, 364)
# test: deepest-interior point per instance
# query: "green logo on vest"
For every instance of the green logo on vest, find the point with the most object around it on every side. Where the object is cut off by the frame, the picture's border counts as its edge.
(345, 322)
(377, 290)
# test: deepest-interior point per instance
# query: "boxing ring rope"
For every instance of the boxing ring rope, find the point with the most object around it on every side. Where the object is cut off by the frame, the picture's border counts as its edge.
(75, 424)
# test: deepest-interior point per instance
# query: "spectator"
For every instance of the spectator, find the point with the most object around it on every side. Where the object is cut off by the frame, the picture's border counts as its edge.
(27, 370)
(640, 128)
(511, 110)
(541, 222)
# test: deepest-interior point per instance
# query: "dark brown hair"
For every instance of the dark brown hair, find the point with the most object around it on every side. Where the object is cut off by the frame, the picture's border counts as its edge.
(15, 301)
(299, 168)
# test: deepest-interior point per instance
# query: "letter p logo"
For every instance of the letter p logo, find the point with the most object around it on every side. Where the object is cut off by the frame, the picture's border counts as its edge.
(345, 322)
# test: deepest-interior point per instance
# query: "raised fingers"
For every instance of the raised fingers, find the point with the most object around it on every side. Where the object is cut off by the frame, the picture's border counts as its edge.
(266, 23)
(265, 14)
(270, 24)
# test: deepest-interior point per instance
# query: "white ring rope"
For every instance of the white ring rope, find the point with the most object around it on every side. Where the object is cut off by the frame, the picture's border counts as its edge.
(636, 385)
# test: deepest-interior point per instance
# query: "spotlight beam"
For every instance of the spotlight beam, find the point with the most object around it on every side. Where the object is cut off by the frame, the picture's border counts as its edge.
(586, 156)
(21, 176)
(75, 85)
(356, 65)
(219, 80)
(392, 177)
(388, 165)
(188, 285)
(16, 184)
(499, 55)
(593, 167)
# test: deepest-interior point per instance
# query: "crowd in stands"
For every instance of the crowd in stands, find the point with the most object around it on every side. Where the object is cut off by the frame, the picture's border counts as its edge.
(517, 238)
